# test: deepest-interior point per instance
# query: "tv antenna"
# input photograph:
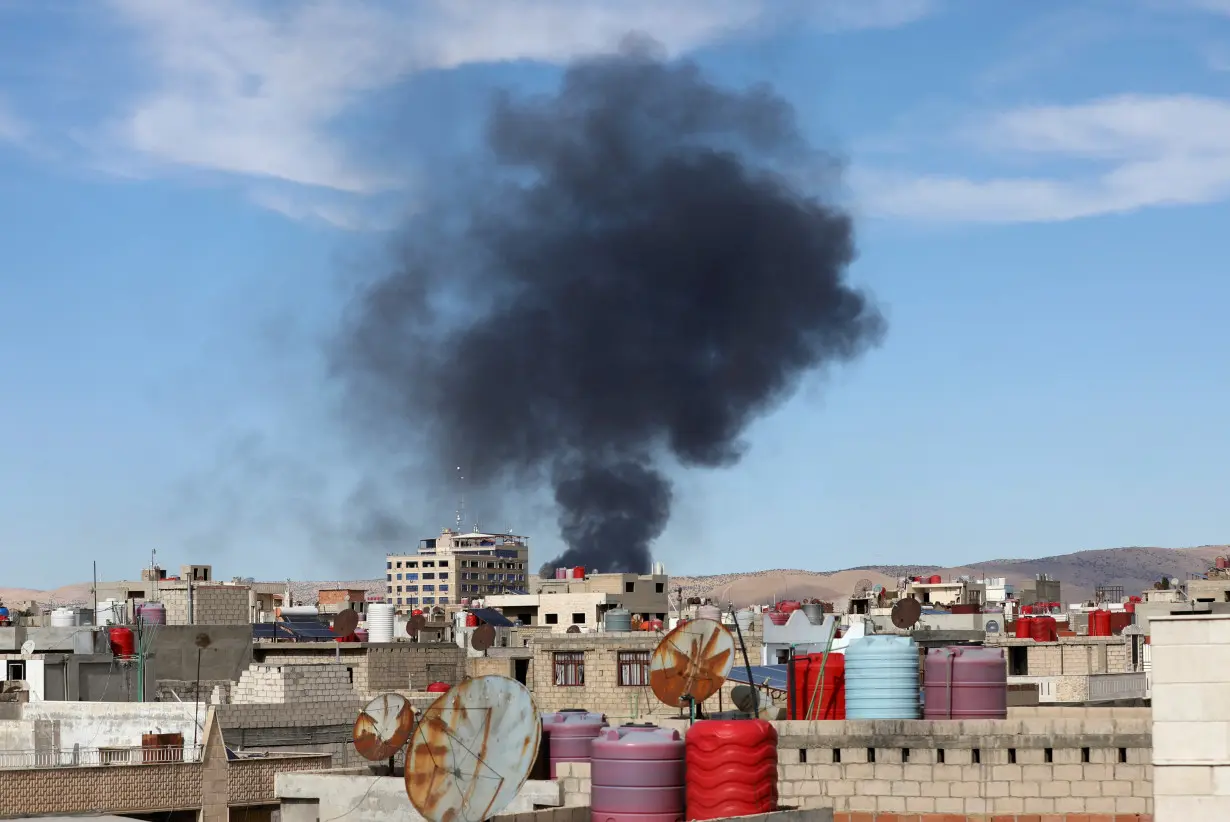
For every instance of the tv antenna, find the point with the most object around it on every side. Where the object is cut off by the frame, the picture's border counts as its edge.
(383, 728)
(691, 663)
(472, 750)
(461, 498)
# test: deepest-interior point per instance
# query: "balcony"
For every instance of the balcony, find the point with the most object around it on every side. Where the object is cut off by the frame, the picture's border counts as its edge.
(1091, 688)
(99, 757)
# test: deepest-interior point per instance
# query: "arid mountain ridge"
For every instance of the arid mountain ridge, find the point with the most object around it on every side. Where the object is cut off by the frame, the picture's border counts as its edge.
(1134, 568)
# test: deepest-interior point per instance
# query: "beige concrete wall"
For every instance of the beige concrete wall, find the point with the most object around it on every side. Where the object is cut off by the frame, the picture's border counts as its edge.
(1191, 717)
(211, 604)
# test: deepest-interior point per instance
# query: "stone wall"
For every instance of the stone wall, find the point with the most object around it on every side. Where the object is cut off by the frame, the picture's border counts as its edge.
(375, 669)
(207, 604)
(211, 691)
(294, 683)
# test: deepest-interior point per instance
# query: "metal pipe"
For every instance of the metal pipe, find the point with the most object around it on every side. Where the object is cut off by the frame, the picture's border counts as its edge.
(747, 666)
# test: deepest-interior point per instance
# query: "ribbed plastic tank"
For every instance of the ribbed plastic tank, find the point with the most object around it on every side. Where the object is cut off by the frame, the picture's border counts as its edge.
(935, 579)
(1099, 623)
(731, 768)
(619, 619)
(380, 622)
(438, 688)
(578, 572)
(965, 683)
(1023, 626)
(63, 618)
(561, 573)
(569, 734)
(1042, 629)
(471, 620)
(810, 699)
(152, 613)
(814, 612)
(709, 612)
(122, 642)
(636, 774)
(882, 678)
(778, 617)
(789, 606)
(745, 619)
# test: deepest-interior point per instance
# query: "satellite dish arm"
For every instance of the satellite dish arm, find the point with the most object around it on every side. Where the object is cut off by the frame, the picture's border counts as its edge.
(747, 666)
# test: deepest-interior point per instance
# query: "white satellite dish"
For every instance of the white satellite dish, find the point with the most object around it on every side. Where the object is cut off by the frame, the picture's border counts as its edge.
(27, 648)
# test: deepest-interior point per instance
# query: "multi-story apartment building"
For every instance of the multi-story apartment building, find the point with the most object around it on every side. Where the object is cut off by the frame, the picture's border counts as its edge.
(454, 567)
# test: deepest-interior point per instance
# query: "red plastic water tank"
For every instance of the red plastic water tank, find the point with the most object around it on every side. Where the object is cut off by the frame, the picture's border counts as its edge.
(438, 688)
(1221, 563)
(636, 774)
(731, 768)
(965, 683)
(1099, 623)
(417, 612)
(471, 620)
(360, 635)
(1024, 625)
(788, 606)
(778, 618)
(1042, 629)
(810, 700)
(122, 642)
(569, 734)
(578, 572)
(935, 579)
(1129, 606)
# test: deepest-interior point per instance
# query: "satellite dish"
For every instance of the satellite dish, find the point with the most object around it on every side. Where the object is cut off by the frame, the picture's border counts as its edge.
(383, 727)
(906, 613)
(203, 641)
(344, 623)
(27, 648)
(482, 638)
(691, 662)
(876, 589)
(861, 588)
(472, 750)
(415, 624)
(573, 629)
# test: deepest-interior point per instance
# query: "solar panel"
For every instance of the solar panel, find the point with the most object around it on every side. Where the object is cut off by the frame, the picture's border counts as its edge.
(270, 630)
(492, 617)
(768, 676)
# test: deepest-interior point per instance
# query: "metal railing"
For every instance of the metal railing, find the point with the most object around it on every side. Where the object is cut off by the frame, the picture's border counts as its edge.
(1112, 687)
(99, 757)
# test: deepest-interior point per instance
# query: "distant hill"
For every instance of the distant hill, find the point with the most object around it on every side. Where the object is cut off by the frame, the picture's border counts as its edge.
(1133, 568)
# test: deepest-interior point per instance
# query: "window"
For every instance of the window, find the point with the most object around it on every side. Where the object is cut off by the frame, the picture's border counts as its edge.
(388, 564)
(443, 587)
(569, 668)
(578, 619)
(552, 619)
(634, 667)
(399, 576)
(443, 576)
(1018, 661)
(16, 670)
(444, 563)
(429, 576)
(659, 587)
(629, 587)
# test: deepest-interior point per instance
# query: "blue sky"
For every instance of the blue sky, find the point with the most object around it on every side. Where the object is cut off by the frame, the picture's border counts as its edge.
(1041, 190)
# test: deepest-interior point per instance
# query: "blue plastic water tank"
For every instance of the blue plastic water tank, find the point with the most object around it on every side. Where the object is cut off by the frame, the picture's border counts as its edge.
(882, 678)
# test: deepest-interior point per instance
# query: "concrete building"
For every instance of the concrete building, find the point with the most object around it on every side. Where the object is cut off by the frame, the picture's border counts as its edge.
(584, 601)
(997, 590)
(454, 567)
(336, 600)
(945, 593)
(194, 597)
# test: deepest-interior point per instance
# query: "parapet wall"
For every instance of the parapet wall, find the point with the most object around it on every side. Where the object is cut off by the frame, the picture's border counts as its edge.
(1026, 768)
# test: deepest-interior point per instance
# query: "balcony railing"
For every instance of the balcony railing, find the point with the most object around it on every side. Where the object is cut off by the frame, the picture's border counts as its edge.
(99, 757)
(1112, 687)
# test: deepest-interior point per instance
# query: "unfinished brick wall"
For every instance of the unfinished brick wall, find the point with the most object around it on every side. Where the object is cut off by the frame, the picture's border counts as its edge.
(294, 683)
(209, 604)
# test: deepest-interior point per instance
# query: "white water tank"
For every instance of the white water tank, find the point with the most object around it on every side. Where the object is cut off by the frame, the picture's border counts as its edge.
(380, 622)
(109, 612)
(299, 610)
(63, 618)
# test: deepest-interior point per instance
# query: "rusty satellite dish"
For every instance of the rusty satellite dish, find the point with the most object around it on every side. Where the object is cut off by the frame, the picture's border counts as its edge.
(906, 613)
(472, 750)
(383, 727)
(691, 662)
(573, 629)
(345, 623)
(415, 624)
(482, 638)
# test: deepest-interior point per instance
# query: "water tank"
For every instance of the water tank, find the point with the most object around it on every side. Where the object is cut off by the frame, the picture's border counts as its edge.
(778, 618)
(569, 734)
(1024, 624)
(123, 644)
(935, 579)
(618, 619)
(471, 620)
(636, 774)
(1042, 629)
(731, 768)
(300, 610)
(709, 612)
(814, 612)
(63, 618)
(965, 683)
(655, 624)
(152, 613)
(108, 612)
(811, 700)
(1130, 607)
(788, 606)
(1099, 623)
(745, 619)
(578, 572)
(882, 678)
(360, 635)
(561, 573)
(438, 688)
(380, 622)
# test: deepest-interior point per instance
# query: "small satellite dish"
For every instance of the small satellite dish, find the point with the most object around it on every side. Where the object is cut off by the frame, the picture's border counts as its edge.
(203, 640)
(383, 727)
(573, 629)
(691, 662)
(27, 648)
(877, 588)
(345, 623)
(472, 750)
(906, 613)
(482, 638)
(415, 624)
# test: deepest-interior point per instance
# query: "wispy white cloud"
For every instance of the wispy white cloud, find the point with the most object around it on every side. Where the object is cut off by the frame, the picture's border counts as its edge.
(349, 213)
(1142, 151)
(13, 129)
(256, 90)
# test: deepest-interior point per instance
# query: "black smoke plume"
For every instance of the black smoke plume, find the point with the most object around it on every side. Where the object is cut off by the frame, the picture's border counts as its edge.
(625, 276)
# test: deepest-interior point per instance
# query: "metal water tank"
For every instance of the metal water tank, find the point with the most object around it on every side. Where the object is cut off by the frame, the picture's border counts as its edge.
(618, 619)
(819, 687)
(569, 734)
(380, 622)
(63, 618)
(709, 612)
(731, 768)
(152, 613)
(814, 612)
(882, 678)
(965, 683)
(636, 774)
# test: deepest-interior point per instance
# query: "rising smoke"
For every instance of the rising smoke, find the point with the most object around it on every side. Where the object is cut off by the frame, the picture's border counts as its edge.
(630, 278)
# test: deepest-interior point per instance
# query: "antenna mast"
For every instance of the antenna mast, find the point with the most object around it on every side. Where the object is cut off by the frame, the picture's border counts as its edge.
(461, 498)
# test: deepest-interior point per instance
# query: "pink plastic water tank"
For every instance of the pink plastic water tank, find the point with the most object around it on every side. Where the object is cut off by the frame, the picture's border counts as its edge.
(965, 683)
(637, 775)
(569, 734)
